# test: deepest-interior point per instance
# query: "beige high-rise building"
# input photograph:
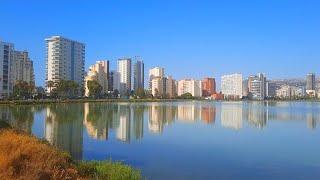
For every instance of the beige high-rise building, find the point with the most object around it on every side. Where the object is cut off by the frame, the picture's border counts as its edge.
(190, 86)
(98, 72)
(158, 86)
(22, 68)
(154, 73)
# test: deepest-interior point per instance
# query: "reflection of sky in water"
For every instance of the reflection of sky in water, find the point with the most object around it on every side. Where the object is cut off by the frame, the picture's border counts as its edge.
(185, 139)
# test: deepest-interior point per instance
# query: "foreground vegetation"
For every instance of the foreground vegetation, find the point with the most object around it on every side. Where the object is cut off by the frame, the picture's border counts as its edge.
(25, 157)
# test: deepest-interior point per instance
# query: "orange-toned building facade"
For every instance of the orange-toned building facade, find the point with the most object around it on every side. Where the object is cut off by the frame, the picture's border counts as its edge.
(208, 87)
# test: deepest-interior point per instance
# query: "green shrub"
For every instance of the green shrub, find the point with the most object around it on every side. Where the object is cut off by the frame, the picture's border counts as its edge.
(107, 170)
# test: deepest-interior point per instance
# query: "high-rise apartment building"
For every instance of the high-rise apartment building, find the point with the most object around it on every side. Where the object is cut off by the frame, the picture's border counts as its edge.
(110, 81)
(22, 67)
(311, 81)
(115, 80)
(155, 72)
(98, 72)
(231, 86)
(311, 85)
(245, 88)
(64, 60)
(271, 88)
(138, 71)
(208, 86)
(158, 86)
(124, 68)
(171, 88)
(257, 86)
(190, 86)
(6, 76)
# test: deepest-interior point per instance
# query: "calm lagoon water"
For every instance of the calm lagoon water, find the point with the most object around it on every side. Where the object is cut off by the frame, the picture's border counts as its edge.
(185, 140)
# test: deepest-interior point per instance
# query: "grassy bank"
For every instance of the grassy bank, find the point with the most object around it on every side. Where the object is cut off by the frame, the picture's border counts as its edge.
(25, 157)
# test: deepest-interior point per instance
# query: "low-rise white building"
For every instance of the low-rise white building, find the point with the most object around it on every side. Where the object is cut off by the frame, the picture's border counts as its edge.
(287, 91)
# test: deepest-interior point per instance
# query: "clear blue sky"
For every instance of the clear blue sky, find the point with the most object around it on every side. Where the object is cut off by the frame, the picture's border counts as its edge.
(188, 38)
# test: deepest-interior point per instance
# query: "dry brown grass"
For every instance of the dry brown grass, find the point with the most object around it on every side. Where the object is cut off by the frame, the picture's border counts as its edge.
(25, 157)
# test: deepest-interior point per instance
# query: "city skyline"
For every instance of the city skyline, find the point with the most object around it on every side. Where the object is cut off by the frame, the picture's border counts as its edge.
(270, 42)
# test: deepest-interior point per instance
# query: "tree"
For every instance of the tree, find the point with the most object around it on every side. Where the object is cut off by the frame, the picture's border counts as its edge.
(148, 94)
(50, 85)
(186, 96)
(22, 90)
(40, 92)
(73, 88)
(156, 93)
(66, 88)
(115, 93)
(140, 93)
(94, 88)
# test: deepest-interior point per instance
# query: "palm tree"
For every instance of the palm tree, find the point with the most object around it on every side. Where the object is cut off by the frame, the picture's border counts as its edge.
(50, 84)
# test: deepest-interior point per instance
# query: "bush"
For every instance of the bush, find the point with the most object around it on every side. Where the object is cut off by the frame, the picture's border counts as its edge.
(25, 157)
(107, 170)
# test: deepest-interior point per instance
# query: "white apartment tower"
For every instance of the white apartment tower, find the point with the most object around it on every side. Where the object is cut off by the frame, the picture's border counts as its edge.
(64, 60)
(124, 68)
(231, 85)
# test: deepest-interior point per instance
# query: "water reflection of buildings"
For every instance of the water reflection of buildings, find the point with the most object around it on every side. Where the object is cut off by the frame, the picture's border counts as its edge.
(63, 128)
(208, 114)
(312, 119)
(96, 120)
(130, 122)
(125, 119)
(159, 116)
(19, 118)
(137, 125)
(156, 118)
(257, 114)
(123, 131)
(231, 115)
(189, 113)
